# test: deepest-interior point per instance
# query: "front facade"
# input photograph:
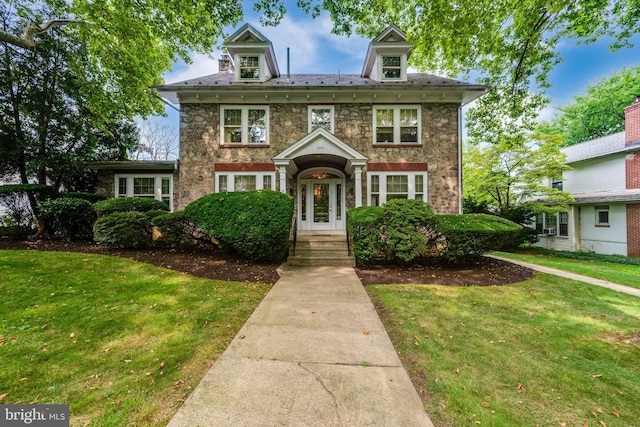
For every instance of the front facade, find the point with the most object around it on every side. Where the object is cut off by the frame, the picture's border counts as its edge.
(333, 142)
(605, 183)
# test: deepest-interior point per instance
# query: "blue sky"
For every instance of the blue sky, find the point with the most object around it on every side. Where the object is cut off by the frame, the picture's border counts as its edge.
(315, 50)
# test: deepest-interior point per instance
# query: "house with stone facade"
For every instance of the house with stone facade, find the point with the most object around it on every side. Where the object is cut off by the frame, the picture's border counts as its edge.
(604, 180)
(331, 141)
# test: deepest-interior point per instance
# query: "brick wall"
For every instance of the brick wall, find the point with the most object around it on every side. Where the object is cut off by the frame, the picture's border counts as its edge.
(633, 170)
(632, 123)
(633, 230)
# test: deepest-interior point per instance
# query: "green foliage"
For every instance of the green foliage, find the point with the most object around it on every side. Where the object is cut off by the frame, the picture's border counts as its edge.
(154, 213)
(69, 217)
(123, 230)
(510, 172)
(16, 232)
(408, 229)
(90, 197)
(590, 256)
(38, 189)
(472, 235)
(178, 231)
(364, 225)
(129, 204)
(254, 224)
(599, 111)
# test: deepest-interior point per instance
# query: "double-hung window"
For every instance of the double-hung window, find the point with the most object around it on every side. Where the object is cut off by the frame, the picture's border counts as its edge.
(397, 124)
(244, 124)
(243, 181)
(553, 224)
(249, 67)
(385, 186)
(321, 116)
(159, 187)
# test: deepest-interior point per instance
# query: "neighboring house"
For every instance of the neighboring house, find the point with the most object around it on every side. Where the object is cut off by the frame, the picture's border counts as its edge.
(332, 141)
(605, 183)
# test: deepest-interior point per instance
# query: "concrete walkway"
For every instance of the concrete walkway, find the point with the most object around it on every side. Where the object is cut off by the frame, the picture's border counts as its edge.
(314, 353)
(573, 276)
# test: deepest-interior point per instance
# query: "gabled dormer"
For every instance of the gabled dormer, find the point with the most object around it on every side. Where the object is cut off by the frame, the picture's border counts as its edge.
(252, 55)
(387, 56)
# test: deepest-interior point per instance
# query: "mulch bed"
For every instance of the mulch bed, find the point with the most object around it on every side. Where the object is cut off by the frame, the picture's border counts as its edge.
(214, 264)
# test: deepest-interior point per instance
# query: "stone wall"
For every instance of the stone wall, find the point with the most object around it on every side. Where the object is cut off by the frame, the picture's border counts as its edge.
(288, 123)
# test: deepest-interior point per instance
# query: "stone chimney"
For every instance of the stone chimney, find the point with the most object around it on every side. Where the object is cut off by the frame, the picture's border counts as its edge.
(632, 122)
(225, 64)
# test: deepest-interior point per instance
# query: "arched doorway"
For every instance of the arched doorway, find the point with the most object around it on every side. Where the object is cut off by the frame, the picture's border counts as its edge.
(321, 199)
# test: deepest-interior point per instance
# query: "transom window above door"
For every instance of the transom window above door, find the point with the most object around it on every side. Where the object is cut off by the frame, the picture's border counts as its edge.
(321, 116)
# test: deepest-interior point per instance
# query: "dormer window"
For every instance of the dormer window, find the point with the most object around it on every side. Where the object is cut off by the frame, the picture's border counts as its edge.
(391, 67)
(249, 68)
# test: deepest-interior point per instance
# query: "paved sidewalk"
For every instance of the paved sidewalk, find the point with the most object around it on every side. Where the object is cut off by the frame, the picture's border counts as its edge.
(573, 276)
(314, 353)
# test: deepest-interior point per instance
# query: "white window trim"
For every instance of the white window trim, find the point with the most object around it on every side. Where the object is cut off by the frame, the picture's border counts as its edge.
(403, 67)
(552, 225)
(261, 74)
(231, 176)
(320, 107)
(244, 123)
(382, 194)
(157, 185)
(396, 123)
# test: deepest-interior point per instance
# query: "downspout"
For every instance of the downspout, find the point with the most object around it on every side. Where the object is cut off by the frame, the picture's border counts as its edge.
(460, 158)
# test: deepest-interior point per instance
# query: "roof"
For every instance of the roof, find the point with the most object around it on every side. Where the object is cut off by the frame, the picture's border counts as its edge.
(599, 147)
(606, 196)
(415, 81)
(168, 165)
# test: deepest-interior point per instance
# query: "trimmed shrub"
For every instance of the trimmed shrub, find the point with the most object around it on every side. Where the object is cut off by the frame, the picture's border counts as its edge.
(253, 224)
(472, 235)
(178, 231)
(89, 197)
(154, 213)
(68, 217)
(123, 230)
(365, 226)
(129, 204)
(15, 232)
(409, 228)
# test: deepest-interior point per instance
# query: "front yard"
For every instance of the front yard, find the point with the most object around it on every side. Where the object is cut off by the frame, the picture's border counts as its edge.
(122, 342)
(547, 352)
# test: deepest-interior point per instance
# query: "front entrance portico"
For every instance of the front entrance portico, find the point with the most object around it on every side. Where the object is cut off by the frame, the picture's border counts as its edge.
(318, 169)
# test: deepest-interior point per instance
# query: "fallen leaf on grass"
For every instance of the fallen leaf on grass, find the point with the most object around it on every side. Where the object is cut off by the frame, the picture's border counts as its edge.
(485, 404)
(615, 414)
(2, 396)
(128, 361)
(603, 424)
(521, 389)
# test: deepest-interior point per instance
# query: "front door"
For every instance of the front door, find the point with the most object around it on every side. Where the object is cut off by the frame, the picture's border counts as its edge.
(321, 204)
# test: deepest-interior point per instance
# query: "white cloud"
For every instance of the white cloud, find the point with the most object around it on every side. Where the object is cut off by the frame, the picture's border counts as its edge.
(201, 65)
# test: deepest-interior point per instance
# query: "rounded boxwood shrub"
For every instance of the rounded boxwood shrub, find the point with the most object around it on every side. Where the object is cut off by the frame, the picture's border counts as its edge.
(472, 235)
(123, 230)
(253, 224)
(154, 213)
(69, 217)
(408, 229)
(178, 231)
(129, 204)
(364, 225)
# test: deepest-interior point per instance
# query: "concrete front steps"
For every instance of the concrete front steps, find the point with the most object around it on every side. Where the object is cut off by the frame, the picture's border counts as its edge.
(321, 249)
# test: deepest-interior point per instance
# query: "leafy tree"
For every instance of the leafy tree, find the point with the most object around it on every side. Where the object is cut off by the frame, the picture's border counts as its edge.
(509, 173)
(599, 111)
(512, 45)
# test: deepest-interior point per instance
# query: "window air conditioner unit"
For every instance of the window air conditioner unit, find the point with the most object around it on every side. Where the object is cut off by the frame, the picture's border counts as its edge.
(549, 231)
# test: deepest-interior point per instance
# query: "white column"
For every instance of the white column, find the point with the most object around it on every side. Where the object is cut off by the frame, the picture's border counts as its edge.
(358, 185)
(283, 179)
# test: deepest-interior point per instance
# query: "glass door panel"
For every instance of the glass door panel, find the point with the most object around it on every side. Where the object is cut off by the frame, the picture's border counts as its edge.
(321, 203)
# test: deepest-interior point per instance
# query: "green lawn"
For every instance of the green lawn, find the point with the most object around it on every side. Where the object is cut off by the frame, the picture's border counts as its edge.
(622, 274)
(122, 342)
(547, 352)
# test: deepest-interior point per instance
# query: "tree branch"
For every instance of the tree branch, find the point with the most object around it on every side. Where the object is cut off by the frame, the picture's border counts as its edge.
(27, 41)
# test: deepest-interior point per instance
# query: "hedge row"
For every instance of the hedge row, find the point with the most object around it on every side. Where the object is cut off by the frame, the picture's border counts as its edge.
(406, 230)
